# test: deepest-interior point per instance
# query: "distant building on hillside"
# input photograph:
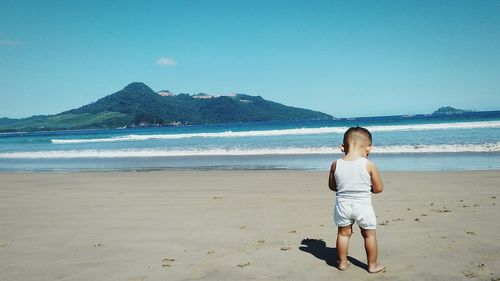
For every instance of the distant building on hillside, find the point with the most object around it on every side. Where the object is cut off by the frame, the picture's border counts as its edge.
(207, 96)
(202, 96)
(166, 93)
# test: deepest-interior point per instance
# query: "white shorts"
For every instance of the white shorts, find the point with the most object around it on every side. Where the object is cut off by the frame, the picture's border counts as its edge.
(347, 212)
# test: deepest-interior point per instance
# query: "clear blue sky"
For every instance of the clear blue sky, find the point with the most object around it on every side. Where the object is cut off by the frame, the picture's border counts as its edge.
(345, 58)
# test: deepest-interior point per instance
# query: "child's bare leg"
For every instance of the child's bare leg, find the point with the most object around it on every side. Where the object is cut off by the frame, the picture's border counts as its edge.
(344, 233)
(371, 250)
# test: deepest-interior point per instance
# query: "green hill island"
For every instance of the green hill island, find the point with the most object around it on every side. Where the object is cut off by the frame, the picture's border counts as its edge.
(137, 105)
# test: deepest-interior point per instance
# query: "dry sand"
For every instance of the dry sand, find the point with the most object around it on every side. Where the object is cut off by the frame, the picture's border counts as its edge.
(241, 225)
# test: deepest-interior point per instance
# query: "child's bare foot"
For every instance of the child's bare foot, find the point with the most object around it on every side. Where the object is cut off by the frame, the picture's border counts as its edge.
(375, 268)
(342, 265)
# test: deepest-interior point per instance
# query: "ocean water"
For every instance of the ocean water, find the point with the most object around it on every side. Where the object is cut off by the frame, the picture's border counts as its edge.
(469, 141)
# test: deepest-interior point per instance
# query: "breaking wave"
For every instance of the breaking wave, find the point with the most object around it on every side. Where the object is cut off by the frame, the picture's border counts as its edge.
(125, 153)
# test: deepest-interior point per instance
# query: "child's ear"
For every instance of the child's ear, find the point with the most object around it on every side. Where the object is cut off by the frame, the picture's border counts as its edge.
(368, 150)
(342, 148)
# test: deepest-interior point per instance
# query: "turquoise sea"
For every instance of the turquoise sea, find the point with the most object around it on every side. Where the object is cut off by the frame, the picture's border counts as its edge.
(468, 141)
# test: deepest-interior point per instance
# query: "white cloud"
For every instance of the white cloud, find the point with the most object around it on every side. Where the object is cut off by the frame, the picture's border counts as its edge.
(8, 42)
(164, 61)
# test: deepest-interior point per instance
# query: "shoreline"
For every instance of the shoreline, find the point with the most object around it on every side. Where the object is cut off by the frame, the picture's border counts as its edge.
(445, 162)
(241, 225)
(222, 170)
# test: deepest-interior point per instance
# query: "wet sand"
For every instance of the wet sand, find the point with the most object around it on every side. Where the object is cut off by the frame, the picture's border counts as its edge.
(241, 225)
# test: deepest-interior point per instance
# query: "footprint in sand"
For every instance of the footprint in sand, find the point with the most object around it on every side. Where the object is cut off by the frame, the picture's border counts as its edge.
(285, 248)
(259, 244)
(98, 245)
(443, 210)
(386, 222)
(167, 262)
(243, 264)
(292, 231)
(470, 274)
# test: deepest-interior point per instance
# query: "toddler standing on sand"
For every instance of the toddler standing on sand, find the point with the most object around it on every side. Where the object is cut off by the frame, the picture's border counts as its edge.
(353, 178)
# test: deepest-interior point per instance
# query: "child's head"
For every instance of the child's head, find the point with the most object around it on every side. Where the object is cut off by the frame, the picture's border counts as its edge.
(357, 137)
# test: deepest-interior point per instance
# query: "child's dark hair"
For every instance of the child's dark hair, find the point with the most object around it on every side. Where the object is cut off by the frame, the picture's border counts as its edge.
(353, 132)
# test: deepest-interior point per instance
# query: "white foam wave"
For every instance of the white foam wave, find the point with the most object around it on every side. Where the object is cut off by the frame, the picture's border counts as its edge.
(284, 132)
(266, 133)
(60, 154)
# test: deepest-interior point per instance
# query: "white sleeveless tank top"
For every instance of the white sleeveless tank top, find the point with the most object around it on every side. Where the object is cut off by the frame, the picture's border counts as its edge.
(353, 180)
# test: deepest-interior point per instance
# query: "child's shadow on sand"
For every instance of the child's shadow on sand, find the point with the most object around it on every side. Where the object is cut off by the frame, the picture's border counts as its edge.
(319, 249)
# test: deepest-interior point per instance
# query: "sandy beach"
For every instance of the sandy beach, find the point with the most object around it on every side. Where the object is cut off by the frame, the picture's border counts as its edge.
(241, 225)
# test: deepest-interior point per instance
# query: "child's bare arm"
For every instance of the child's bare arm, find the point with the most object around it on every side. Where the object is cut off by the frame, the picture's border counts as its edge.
(377, 184)
(331, 179)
